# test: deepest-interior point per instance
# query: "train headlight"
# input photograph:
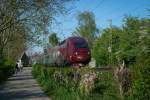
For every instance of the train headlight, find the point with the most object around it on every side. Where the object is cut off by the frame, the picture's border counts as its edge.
(76, 53)
(70, 57)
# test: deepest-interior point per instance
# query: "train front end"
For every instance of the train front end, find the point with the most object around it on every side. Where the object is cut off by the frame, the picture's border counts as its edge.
(81, 53)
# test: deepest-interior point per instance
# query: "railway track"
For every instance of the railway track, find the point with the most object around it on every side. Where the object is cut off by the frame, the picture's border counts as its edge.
(103, 69)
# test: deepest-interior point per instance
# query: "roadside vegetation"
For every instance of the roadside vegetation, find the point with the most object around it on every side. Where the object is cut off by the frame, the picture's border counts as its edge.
(72, 84)
(7, 68)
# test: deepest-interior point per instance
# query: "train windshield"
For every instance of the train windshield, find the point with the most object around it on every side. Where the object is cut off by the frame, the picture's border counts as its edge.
(81, 44)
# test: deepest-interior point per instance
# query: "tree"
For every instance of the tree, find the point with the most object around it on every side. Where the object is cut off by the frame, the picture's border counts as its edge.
(106, 46)
(53, 39)
(134, 41)
(86, 27)
(29, 18)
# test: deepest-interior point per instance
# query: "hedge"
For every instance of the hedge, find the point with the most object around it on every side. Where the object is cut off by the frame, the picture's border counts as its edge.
(7, 68)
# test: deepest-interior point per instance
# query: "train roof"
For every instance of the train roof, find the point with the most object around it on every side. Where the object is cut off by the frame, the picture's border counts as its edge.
(75, 38)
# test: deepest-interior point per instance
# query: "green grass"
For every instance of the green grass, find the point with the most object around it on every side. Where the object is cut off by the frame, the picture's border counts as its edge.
(66, 89)
(105, 88)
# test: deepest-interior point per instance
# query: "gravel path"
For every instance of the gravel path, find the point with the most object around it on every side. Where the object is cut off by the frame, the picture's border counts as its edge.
(22, 86)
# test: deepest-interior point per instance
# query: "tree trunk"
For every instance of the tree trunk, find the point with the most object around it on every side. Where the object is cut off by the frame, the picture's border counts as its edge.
(1, 52)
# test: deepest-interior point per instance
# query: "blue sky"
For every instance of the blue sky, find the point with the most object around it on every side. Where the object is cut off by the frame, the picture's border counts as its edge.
(103, 11)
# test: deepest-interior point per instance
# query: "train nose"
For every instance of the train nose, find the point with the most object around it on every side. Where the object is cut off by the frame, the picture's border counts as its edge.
(79, 57)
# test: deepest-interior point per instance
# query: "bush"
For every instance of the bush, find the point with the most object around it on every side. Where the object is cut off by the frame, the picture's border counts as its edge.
(7, 68)
(141, 83)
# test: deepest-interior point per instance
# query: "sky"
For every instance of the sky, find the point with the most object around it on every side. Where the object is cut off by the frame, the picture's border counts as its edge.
(103, 10)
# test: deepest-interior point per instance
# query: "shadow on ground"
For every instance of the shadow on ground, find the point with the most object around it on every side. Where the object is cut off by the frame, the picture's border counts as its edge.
(22, 86)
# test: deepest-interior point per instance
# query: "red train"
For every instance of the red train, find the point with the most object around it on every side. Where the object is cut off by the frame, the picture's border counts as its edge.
(72, 51)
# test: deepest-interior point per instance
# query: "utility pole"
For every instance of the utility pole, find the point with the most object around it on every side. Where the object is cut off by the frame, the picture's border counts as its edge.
(110, 42)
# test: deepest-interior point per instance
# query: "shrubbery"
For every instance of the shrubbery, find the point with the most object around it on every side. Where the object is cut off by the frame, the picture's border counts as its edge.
(68, 83)
(141, 83)
(7, 68)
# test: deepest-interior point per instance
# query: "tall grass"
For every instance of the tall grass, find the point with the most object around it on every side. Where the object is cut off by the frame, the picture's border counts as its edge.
(66, 88)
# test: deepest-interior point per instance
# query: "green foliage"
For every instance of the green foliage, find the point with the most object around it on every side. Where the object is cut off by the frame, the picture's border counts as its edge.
(87, 27)
(129, 43)
(105, 88)
(110, 38)
(65, 88)
(7, 68)
(141, 79)
(53, 39)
